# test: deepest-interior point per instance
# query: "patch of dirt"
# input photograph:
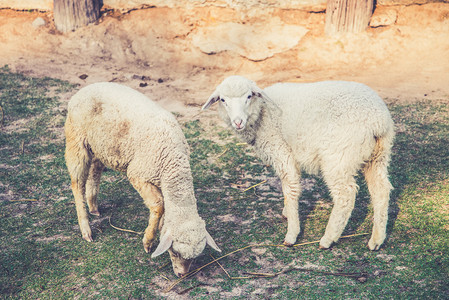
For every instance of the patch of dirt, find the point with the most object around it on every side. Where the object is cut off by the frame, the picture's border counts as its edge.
(152, 50)
(60, 237)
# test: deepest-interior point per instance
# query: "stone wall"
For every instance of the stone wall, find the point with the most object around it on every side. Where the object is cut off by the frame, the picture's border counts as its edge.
(310, 5)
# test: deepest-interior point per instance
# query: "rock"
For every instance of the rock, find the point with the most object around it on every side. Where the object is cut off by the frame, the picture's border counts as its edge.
(255, 42)
(38, 22)
(383, 17)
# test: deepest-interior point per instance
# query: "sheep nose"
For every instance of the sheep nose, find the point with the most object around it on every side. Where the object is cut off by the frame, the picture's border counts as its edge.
(180, 274)
(238, 123)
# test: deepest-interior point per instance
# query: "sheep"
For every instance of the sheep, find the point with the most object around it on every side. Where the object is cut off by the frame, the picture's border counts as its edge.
(332, 128)
(112, 125)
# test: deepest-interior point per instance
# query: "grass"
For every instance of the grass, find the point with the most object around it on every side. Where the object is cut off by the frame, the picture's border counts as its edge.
(43, 256)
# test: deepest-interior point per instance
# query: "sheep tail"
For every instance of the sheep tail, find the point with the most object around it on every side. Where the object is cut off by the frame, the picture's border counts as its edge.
(375, 169)
(382, 148)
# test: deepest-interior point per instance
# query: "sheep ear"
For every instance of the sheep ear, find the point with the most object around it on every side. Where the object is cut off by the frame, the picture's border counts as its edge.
(273, 107)
(210, 241)
(257, 91)
(212, 99)
(164, 245)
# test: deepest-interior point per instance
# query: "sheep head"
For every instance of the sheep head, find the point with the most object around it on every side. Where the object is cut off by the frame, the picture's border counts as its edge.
(184, 241)
(240, 101)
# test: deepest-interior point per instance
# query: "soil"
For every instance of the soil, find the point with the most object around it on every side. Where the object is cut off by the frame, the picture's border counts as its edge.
(152, 50)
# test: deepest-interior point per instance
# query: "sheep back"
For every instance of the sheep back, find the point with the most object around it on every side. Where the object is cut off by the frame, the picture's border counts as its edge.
(129, 132)
(335, 120)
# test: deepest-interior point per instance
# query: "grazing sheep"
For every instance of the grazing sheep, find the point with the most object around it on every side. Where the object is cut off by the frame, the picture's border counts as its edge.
(115, 126)
(335, 128)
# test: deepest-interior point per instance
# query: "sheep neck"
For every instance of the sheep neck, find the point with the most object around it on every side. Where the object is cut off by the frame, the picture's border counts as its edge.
(177, 189)
(260, 129)
(265, 135)
(176, 212)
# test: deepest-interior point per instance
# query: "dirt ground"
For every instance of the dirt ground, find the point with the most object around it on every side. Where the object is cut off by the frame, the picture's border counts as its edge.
(152, 50)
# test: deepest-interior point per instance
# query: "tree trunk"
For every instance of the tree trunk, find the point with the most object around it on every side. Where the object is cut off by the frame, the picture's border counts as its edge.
(348, 15)
(71, 14)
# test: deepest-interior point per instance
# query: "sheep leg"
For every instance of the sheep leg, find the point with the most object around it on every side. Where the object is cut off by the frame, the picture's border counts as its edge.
(93, 186)
(343, 193)
(291, 189)
(153, 199)
(78, 161)
(376, 176)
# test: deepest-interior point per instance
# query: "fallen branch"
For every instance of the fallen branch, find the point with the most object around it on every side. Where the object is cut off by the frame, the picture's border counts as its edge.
(226, 272)
(229, 276)
(121, 229)
(354, 275)
(222, 153)
(165, 277)
(189, 289)
(226, 150)
(2, 116)
(22, 148)
(23, 200)
(163, 266)
(191, 273)
(251, 187)
(267, 275)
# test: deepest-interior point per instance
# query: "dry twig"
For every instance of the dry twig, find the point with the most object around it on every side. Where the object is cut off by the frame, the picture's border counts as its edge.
(189, 289)
(23, 200)
(165, 277)
(229, 276)
(191, 273)
(2, 116)
(224, 270)
(222, 153)
(22, 148)
(254, 186)
(121, 229)
(226, 150)
(163, 266)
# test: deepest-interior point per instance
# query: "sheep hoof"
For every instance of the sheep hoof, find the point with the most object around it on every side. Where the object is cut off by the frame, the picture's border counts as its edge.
(376, 248)
(287, 244)
(373, 246)
(88, 238)
(95, 213)
(326, 243)
(85, 231)
(147, 246)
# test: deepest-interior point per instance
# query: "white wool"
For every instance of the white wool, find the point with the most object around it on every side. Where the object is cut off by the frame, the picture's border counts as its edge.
(332, 128)
(127, 131)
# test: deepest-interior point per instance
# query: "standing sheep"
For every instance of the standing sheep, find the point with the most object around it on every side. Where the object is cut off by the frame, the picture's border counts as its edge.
(335, 128)
(115, 126)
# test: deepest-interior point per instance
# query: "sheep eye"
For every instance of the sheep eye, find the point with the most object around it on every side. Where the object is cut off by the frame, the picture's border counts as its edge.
(249, 96)
(222, 100)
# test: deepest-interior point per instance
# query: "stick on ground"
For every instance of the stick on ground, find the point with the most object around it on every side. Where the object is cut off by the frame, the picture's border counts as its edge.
(191, 273)
(121, 229)
(253, 186)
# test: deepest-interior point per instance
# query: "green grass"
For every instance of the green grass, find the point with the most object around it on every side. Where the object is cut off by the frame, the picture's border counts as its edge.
(43, 256)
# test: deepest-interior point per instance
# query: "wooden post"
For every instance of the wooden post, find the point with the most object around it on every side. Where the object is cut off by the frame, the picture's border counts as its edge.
(348, 15)
(72, 14)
